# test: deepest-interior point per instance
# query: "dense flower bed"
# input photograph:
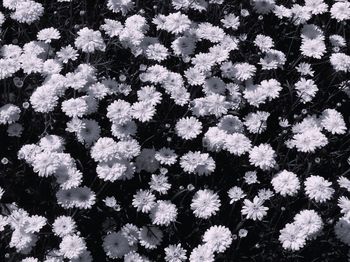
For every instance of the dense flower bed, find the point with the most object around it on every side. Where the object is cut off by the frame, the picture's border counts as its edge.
(174, 130)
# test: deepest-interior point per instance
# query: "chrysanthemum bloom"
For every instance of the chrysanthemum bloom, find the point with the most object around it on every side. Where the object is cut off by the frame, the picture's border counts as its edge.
(309, 221)
(9, 113)
(163, 213)
(205, 203)
(72, 246)
(105, 149)
(202, 253)
(262, 156)
(254, 210)
(131, 233)
(188, 128)
(144, 201)
(292, 237)
(116, 245)
(175, 253)
(150, 237)
(333, 121)
(286, 183)
(219, 238)
(89, 40)
(319, 189)
(64, 225)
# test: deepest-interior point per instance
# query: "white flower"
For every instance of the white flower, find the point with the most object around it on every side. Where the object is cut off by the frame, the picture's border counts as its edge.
(306, 89)
(235, 194)
(219, 238)
(150, 237)
(104, 149)
(309, 221)
(48, 34)
(144, 201)
(175, 253)
(202, 253)
(292, 237)
(188, 127)
(340, 10)
(205, 203)
(340, 62)
(256, 122)
(89, 40)
(163, 213)
(315, 48)
(333, 121)
(237, 144)
(243, 71)
(262, 156)
(286, 183)
(319, 189)
(63, 225)
(27, 11)
(143, 111)
(72, 246)
(254, 210)
(9, 113)
(123, 6)
(116, 245)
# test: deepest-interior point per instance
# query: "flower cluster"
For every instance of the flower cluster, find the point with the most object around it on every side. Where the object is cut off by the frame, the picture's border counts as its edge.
(181, 130)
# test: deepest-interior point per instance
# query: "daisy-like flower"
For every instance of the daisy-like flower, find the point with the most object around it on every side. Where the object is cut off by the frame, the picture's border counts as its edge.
(116, 245)
(340, 10)
(112, 27)
(156, 52)
(67, 53)
(123, 6)
(237, 144)
(243, 71)
(340, 62)
(63, 226)
(105, 149)
(205, 203)
(219, 238)
(292, 237)
(262, 156)
(89, 40)
(202, 253)
(309, 221)
(75, 107)
(319, 189)
(48, 34)
(230, 21)
(160, 183)
(119, 111)
(166, 156)
(235, 193)
(131, 232)
(333, 121)
(72, 246)
(143, 201)
(143, 111)
(150, 237)
(254, 210)
(314, 48)
(188, 127)
(163, 213)
(286, 183)
(175, 253)
(256, 122)
(9, 114)
(306, 89)
(196, 162)
(250, 177)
